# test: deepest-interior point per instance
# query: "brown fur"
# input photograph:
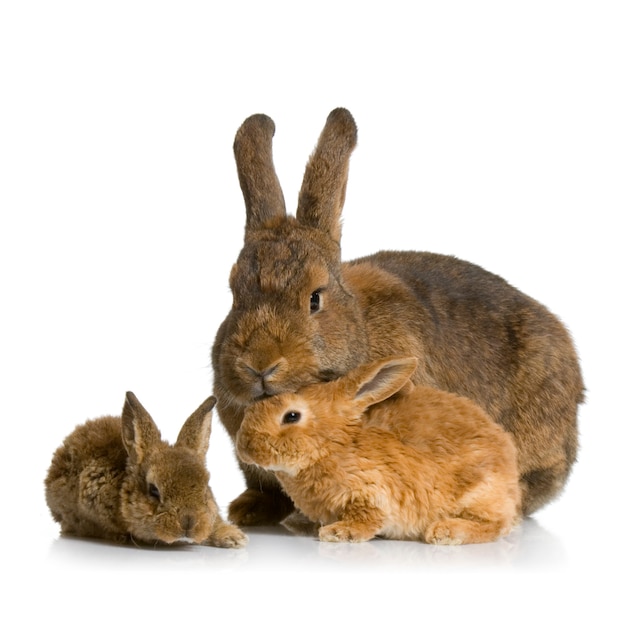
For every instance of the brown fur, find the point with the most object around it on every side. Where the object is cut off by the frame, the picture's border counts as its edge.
(472, 332)
(114, 478)
(424, 464)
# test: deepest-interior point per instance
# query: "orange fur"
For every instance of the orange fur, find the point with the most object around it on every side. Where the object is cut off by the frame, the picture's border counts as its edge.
(114, 478)
(421, 464)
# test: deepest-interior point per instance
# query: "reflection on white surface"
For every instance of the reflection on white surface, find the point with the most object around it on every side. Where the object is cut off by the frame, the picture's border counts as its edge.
(530, 577)
(529, 545)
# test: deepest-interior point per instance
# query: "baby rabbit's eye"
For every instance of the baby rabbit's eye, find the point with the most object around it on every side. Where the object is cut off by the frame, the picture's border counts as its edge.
(153, 491)
(316, 301)
(291, 417)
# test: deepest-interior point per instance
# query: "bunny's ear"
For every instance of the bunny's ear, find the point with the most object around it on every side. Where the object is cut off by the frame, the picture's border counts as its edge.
(261, 190)
(139, 432)
(379, 380)
(196, 430)
(323, 190)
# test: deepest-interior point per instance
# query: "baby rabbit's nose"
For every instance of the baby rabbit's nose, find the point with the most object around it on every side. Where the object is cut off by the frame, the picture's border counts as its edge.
(187, 523)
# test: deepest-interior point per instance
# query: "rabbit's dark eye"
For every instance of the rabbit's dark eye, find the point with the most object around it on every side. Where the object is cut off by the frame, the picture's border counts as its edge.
(153, 491)
(316, 301)
(291, 417)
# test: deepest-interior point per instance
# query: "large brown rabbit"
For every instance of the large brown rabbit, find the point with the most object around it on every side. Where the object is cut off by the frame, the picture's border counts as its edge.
(362, 462)
(301, 315)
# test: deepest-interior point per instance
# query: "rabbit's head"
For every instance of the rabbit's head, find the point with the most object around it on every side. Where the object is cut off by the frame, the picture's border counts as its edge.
(292, 431)
(166, 496)
(293, 321)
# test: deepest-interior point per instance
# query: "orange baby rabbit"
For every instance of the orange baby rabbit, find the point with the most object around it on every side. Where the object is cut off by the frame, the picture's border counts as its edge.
(424, 464)
(115, 478)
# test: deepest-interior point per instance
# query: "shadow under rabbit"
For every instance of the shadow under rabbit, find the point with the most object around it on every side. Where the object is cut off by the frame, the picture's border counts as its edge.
(98, 553)
(528, 543)
(528, 546)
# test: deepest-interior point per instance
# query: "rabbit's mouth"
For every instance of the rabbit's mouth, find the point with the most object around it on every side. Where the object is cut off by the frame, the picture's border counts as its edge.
(265, 390)
(264, 387)
(264, 393)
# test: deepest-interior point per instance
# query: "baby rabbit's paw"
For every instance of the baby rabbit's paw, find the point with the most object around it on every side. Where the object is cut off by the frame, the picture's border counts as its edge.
(342, 531)
(227, 536)
(444, 532)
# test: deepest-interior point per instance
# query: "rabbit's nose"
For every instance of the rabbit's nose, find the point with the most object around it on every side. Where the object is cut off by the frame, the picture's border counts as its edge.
(187, 523)
(264, 374)
(262, 379)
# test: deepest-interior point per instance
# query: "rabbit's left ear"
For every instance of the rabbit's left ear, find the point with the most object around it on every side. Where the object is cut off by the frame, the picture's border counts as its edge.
(196, 431)
(379, 380)
(257, 177)
(323, 190)
(139, 432)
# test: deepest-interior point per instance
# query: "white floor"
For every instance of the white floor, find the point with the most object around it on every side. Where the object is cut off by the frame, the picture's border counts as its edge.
(535, 574)
(274, 549)
(488, 130)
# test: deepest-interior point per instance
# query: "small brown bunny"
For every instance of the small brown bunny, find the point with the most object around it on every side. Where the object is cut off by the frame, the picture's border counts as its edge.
(420, 464)
(114, 478)
(301, 315)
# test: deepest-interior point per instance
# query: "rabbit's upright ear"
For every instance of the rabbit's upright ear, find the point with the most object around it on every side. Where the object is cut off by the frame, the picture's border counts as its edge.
(323, 190)
(196, 431)
(139, 432)
(261, 189)
(377, 381)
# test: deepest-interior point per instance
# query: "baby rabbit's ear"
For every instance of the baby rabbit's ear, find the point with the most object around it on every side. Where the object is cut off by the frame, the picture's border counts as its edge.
(323, 190)
(139, 432)
(196, 431)
(261, 189)
(379, 380)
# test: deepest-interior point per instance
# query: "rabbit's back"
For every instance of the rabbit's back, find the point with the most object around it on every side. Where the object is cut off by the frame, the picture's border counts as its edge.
(445, 429)
(442, 456)
(478, 322)
(478, 331)
(99, 438)
(93, 455)
(426, 414)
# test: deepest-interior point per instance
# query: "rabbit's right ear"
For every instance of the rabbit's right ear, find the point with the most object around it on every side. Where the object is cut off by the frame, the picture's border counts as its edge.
(261, 189)
(377, 381)
(323, 190)
(139, 432)
(196, 430)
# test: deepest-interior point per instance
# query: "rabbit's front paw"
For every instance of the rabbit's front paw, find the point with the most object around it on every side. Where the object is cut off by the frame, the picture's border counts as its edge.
(341, 531)
(227, 536)
(445, 532)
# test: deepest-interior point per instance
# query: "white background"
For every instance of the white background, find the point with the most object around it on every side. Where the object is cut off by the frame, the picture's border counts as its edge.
(494, 131)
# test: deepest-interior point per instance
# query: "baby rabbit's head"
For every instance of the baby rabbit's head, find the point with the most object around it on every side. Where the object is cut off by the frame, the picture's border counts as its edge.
(166, 495)
(281, 433)
(292, 431)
